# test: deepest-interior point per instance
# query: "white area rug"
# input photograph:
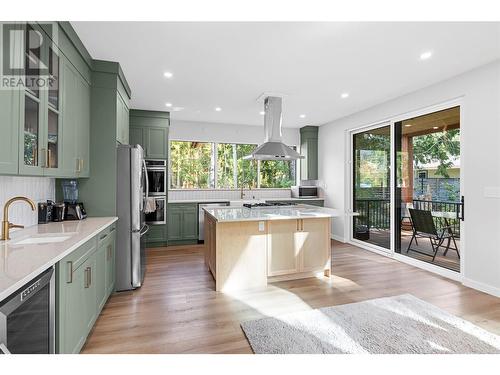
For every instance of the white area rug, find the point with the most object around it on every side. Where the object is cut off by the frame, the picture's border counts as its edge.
(399, 325)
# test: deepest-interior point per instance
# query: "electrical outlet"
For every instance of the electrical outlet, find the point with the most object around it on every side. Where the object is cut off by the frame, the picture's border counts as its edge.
(261, 226)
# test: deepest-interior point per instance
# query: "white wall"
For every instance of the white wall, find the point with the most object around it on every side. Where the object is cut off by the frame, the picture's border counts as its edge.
(39, 189)
(480, 129)
(225, 133)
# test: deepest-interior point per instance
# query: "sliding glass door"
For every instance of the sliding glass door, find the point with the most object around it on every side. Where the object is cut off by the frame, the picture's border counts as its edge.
(427, 196)
(415, 209)
(371, 181)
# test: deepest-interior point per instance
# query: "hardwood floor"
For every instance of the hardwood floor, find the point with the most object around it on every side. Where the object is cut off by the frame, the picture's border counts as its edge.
(178, 311)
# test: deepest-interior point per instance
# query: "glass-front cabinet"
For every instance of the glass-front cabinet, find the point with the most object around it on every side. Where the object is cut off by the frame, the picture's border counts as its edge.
(40, 148)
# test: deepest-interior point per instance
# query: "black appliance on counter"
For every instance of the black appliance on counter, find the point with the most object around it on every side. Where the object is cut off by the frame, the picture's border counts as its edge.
(27, 317)
(58, 210)
(304, 192)
(74, 211)
(45, 212)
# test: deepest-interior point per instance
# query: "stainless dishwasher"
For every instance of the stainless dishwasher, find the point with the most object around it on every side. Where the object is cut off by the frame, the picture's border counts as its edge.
(201, 216)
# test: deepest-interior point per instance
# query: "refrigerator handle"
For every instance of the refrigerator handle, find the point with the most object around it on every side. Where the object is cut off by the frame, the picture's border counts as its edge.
(147, 182)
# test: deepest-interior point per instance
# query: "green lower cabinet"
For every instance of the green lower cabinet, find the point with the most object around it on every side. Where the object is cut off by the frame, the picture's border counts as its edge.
(84, 281)
(110, 264)
(71, 318)
(105, 268)
(156, 235)
(182, 222)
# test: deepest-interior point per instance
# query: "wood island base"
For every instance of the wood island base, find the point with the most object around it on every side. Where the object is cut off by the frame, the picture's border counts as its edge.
(249, 254)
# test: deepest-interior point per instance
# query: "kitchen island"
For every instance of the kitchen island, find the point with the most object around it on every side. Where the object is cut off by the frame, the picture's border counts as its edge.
(248, 247)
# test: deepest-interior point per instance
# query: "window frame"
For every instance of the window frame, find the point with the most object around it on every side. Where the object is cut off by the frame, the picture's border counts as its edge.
(214, 146)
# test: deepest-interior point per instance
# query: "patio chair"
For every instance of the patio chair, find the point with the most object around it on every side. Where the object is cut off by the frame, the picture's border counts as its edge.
(424, 227)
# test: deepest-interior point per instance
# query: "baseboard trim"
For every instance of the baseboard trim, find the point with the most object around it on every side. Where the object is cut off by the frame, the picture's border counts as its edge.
(338, 238)
(481, 287)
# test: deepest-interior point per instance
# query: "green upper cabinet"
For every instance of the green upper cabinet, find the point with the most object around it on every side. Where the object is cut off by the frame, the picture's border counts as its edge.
(122, 115)
(76, 122)
(309, 148)
(150, 130)
(45, 126)
(10, 111)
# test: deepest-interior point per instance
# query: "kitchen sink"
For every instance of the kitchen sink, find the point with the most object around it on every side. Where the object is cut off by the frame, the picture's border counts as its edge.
(241, 202)
(44, 239)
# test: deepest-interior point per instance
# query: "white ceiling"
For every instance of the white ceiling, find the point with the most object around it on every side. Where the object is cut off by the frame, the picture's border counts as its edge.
(229, 65)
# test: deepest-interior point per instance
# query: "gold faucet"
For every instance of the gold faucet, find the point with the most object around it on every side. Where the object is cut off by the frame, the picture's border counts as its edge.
(5, 223)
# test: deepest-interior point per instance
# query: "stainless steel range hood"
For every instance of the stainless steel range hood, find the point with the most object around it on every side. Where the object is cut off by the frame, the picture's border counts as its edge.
(273, 148)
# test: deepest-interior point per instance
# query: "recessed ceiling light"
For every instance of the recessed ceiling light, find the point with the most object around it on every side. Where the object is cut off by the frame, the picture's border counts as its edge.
(262, 113)
(218, 109)
(426, 55)
(302, 116)
(435, 127)
(168, 75)
(344, 95)
(407, 125)
(168, 104)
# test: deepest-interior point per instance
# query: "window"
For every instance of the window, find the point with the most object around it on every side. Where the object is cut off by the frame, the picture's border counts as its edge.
(232, 170)
(277, 174)
(190, 165)
(198, 165)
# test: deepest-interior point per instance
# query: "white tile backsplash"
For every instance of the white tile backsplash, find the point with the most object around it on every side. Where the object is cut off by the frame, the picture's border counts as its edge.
(38, 189)
(186, 194)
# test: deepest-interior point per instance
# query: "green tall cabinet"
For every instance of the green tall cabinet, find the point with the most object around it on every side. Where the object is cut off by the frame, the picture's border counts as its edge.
(309, 148)
(110, 98)
(150, 130)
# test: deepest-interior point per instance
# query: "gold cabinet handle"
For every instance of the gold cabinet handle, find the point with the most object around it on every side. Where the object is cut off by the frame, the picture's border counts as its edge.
(109, 252)
(88, 277)
(77, 165)
(69, 266)
(81, 165)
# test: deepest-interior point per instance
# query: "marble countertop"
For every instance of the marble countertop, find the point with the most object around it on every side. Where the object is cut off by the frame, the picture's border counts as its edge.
(249, 199)
(299, 211)
(20, 263)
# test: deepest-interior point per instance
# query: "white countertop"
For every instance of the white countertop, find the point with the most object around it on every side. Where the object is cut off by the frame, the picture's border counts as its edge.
(299, 211)
(21, 263)
(249, 199)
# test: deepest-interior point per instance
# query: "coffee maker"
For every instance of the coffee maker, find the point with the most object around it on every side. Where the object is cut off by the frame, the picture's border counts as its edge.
(73, 210)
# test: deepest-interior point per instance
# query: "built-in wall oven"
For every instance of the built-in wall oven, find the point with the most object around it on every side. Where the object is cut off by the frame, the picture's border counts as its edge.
(27, 317)
(159, 215)
(157, 177)
(157, 191)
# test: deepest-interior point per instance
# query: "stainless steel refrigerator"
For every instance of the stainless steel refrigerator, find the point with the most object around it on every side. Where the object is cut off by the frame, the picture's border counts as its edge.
(131, 195)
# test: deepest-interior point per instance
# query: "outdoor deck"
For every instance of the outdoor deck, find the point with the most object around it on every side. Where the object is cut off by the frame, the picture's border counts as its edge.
(450, 261)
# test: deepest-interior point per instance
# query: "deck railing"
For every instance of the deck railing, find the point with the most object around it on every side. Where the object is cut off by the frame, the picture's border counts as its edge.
(375, 213)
